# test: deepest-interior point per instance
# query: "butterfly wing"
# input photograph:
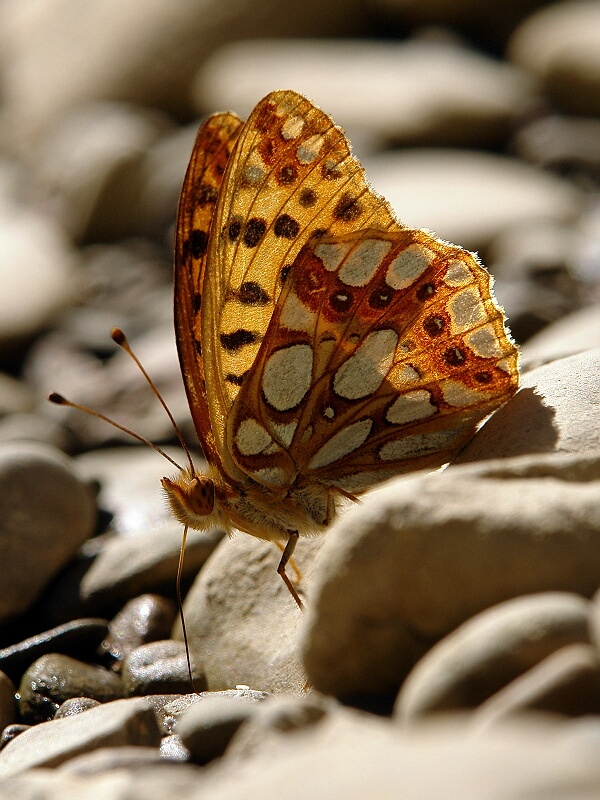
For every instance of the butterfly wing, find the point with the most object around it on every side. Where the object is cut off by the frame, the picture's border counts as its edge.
(385, 351)
(201, 186)
(289, 177)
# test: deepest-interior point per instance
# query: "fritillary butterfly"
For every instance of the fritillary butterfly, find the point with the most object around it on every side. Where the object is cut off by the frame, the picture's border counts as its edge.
(324, 346)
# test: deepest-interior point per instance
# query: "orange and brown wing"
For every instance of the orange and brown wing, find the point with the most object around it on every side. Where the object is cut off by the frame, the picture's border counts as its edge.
(385, 351)
(291, 176)
(195, 216)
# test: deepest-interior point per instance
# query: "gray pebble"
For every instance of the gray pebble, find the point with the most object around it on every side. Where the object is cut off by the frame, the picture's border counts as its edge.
(493, 648)
(47, 513)
(158, 668)
(54, 678)
(122, 722)
(143, 619)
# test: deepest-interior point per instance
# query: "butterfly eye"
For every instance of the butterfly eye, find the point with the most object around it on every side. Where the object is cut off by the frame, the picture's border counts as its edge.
(201, 495)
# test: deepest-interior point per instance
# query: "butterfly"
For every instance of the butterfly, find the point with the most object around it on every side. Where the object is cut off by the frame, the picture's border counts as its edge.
(324, 346)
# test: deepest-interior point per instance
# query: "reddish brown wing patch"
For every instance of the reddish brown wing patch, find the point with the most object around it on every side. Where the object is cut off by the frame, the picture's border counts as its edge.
(383, 354)
(199, 194)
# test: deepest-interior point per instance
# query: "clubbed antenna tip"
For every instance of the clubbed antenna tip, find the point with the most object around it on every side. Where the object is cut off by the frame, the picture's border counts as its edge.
(58, 399)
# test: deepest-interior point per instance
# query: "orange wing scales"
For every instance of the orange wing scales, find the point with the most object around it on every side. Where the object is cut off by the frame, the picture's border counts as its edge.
(373, 367)
(324, 345)
(199, 195)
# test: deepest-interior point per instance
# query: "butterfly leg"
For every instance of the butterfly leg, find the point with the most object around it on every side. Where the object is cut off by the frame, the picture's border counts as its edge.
(285, 557)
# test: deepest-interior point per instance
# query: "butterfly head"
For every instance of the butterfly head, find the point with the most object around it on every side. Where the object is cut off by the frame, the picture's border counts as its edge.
(191, 498)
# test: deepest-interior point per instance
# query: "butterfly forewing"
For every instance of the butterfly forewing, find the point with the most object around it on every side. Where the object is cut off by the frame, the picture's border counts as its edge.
(199, 194)
(291, 177)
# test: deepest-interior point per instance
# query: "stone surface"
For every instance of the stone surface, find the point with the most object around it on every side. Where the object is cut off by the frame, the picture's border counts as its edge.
(81, 637)
(54, 678)
(569, 336)
(488, 194)
(553, 411)
(49, 744)
(425, 553)
(158, 668)
(107, 759)
(566, 682)
(427, 92)
(207, 727)
(242, 622)
(362, 758)
(47, 513)
(278, 717)
(144, 619)
(560, 45)
(490, 650)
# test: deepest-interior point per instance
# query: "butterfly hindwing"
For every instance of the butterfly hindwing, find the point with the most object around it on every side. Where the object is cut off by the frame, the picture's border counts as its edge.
(384, 352)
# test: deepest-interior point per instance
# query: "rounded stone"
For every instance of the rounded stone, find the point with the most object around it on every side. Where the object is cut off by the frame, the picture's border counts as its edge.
(553, 411)
(207, 727)
(568, 336)
(488, 651)
(424, 553)
(53, 679)
(566, 682)
(242, 622)
(143, 619)
(47, 513)
(158, 668)
(79, 638)
(560, 45)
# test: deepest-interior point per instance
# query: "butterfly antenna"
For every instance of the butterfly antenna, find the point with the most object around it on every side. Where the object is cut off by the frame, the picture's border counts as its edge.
(59, 400)
(119, 338)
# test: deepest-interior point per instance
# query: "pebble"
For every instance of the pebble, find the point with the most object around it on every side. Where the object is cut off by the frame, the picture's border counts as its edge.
(10, 731)
(144, 619)
(47, 513)
(8, 705)
(489, 193)
(207, 727)
(124, 722)
(242, 621)
(147, 562)
(569, 336)
(424, 553)
(158, 668)
(565, 682)
(490, 650)
(279, 717)
(37, 267)
(493, 113)
(569, 145)
(427, 92)
(80, 637)
(145, 58)
(560, 45)
(553, 411)
(75, 705)
(15, 396)
(90, 163)
(55, 678)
